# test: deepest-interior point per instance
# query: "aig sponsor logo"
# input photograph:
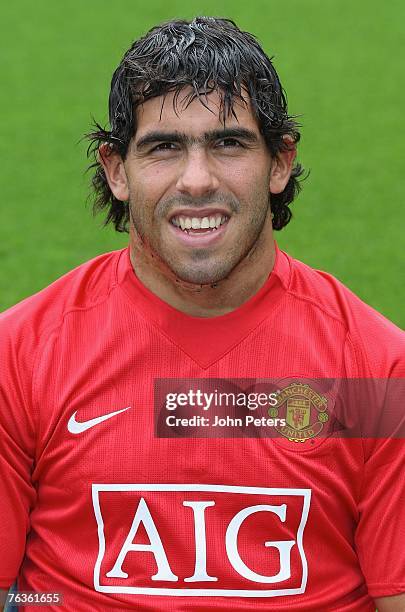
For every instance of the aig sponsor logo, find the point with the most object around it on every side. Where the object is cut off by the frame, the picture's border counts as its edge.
(200, 540)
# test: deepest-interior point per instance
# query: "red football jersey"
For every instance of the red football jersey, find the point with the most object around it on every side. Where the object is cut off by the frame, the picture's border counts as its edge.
(96, 504)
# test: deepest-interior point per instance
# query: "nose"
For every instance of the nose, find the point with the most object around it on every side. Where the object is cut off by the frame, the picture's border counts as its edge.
(197, 177)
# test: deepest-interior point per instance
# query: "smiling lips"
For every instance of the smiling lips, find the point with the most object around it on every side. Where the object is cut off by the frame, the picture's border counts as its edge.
(192, 224)
(199, 222)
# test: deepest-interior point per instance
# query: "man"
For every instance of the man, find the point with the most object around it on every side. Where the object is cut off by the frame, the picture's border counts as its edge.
(102, 501)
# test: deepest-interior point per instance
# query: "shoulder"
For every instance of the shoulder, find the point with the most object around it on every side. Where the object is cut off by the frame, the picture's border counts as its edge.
(83, 287)
(377, 343)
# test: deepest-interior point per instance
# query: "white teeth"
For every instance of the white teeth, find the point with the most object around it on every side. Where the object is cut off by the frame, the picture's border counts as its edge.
(187, 223)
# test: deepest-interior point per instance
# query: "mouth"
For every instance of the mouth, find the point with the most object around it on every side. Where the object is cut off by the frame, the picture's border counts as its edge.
(199, 228)
(199, 225)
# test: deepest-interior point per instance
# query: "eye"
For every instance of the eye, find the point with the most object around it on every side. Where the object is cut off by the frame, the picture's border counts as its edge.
(165, 146)
(229, 143)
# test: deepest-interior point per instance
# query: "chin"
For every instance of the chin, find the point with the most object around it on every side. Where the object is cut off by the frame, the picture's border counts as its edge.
(200, 277)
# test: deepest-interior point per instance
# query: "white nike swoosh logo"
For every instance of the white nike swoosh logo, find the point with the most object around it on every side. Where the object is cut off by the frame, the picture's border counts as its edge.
(75, 427)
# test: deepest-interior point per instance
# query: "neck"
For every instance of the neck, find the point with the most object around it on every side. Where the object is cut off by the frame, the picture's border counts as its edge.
(243, 282)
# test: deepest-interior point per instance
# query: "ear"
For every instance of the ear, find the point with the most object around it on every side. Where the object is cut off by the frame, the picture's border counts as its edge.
(281, 166)
(114, 169)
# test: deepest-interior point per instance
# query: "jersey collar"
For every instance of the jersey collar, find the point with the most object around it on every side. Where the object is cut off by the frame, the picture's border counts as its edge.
(206, 339)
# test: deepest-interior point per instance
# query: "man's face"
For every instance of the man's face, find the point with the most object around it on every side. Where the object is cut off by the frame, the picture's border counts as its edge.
(198, 191)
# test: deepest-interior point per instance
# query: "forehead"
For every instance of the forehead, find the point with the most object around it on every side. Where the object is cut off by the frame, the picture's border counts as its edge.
(200, 115)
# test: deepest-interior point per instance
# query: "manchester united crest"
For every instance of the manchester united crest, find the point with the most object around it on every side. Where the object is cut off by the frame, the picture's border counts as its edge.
(304, 411)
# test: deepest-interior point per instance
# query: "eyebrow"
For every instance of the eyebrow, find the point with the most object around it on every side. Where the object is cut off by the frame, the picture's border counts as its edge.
(208, 137)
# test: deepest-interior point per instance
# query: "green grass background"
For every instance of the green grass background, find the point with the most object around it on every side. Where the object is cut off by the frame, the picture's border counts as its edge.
(341, 63)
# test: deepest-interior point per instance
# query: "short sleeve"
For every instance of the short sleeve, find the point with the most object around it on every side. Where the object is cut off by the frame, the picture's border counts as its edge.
(380, 536)
(377, 353)
(17, 446)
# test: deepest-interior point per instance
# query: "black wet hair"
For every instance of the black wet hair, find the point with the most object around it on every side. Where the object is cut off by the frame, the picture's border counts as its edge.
(206, 54)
